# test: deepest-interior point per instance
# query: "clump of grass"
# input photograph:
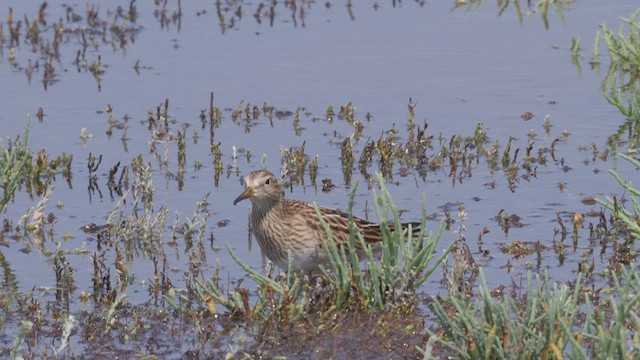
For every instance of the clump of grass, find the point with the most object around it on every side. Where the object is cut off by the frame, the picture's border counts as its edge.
(217, 162)
(347, 113)
(281, 299)
(65, 283)
(347, 160)
(624, 52)
(313, 171)
(67, 327)
(387, 152)
(34, 221)
(141, 232)
(628, 133)
(215, 115)
(536, 325)
(182, 158)
(294, 162)
(12, 161)
(138, 229)
(624, 48)
(296, 122)
(611, 329)
(547, 321)
(406, 260)
(24, 329)
(629, 217)
(330, 114)
(143, 188)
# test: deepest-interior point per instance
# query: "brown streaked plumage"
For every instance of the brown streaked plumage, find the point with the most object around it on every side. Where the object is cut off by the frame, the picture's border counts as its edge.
(281, 225)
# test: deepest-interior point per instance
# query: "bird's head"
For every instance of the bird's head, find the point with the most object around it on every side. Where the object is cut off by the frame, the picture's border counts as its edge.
(260, 187)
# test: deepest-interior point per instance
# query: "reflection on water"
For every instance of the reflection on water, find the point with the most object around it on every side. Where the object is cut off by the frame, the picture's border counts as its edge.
(85, 32)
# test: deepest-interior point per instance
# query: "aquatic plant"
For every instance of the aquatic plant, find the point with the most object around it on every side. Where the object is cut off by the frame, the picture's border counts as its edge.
(535, 325)
(406, 260)
(629, 217)
(12, 161)
(25, 327)
(628, 133)
(624, 50)
(541, 323)
(611, 327)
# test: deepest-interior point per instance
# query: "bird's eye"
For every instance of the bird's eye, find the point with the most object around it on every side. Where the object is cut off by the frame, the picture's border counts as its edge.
(268, 181)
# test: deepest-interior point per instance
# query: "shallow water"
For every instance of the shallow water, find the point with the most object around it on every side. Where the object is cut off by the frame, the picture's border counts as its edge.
(460, 66)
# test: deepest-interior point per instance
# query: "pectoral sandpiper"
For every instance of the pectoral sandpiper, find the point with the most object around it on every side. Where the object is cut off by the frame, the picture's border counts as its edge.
(281, 225)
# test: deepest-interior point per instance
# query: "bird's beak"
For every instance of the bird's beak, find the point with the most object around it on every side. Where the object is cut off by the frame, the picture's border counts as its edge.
(247, 193)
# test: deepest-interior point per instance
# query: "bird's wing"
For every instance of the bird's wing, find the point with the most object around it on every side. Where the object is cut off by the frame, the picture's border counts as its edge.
(338, 222)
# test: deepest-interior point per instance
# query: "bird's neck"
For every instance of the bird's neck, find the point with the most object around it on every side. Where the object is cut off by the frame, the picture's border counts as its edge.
(266, 206)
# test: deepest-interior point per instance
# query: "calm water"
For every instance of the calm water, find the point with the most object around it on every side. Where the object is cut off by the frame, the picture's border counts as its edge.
(460, 66)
